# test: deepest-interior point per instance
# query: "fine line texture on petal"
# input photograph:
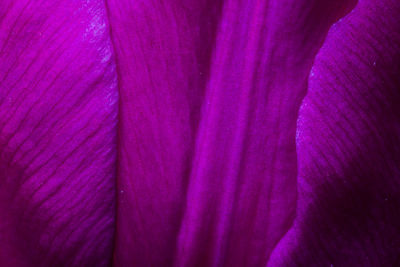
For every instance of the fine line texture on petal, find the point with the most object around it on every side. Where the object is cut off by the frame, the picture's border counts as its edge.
(242, 189)
(163, 50)
(58, 110)
(349, 147)
(207, 160)
(208, 173)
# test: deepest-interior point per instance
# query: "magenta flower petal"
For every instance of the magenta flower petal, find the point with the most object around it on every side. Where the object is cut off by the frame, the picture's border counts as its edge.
(208, 169)
(349, 147)
(58, 110)
(163, 53)
(242, 192)
(210, 92)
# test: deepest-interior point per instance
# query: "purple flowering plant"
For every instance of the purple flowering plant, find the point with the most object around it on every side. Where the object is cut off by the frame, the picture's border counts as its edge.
(200, 133)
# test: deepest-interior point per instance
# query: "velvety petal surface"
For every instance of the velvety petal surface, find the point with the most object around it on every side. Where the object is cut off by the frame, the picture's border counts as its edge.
(163, 52)
(58, 114)
(349, 147)
(210, 92)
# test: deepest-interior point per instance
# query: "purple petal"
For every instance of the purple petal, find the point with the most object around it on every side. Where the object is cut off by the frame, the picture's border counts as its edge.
(57, 134)
(210, 121)
(163, 53)
(349, 147)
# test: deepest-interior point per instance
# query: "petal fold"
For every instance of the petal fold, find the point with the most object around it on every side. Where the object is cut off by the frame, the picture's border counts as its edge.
(210, 92)
(349, 147)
